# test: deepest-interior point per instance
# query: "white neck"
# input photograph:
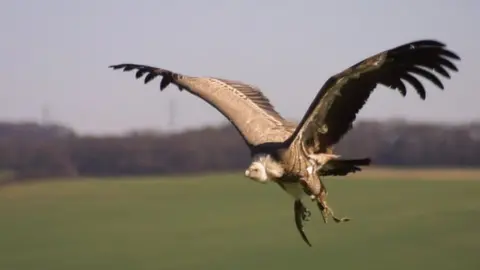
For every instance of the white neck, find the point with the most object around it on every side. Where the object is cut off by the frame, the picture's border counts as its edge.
(273, 168)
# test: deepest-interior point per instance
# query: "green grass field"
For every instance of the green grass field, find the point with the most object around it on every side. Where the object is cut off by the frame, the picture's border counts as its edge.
(229, 222)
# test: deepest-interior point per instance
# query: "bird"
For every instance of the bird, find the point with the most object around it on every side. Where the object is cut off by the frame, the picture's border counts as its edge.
(296, 156)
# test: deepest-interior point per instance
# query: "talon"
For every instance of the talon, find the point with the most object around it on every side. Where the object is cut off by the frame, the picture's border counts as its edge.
(306, 215)
(326, 211)
(338, 220)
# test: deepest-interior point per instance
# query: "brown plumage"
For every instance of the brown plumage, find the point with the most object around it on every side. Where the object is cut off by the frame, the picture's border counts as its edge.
(296, 156)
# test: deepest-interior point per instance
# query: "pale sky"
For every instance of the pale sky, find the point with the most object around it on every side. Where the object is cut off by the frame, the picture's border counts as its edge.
(56, 53)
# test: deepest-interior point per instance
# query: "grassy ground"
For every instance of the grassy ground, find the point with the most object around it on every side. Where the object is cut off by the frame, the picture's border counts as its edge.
(228, 222)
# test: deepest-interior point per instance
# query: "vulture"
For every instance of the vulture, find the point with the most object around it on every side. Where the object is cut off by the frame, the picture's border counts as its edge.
(296, 156)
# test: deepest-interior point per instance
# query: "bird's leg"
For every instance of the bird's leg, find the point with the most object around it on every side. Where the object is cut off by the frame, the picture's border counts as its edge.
(319, 193)
(326, 210)
(321, 202)
(315, 187)
(301, 214)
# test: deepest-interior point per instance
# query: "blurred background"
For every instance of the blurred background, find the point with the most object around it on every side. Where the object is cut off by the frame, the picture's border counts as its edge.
(99, 170)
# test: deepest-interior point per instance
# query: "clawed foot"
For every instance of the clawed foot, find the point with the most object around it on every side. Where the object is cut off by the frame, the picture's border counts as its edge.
(327, 211)
(306, 214)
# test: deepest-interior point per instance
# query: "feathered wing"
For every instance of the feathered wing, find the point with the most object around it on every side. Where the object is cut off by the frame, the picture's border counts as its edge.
(342, 167)
(243, 105)
(334, 109)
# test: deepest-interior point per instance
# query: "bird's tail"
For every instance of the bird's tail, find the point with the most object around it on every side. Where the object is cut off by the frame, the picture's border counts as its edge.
(341, 167)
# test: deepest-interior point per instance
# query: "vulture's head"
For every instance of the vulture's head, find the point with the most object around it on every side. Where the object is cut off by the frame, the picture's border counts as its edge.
(257, 172)
(263, 169)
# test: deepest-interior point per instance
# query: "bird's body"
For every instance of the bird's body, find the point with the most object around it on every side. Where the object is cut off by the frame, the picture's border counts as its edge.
(296, 156)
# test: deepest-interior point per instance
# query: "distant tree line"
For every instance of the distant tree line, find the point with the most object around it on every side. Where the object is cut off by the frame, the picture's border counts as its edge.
(30, 150)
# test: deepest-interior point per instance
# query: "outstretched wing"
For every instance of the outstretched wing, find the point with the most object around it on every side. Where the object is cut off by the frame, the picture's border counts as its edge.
(243, 105)
(335, 107)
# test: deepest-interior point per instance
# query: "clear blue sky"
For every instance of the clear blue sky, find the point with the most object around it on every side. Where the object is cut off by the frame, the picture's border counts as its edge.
(56, 53)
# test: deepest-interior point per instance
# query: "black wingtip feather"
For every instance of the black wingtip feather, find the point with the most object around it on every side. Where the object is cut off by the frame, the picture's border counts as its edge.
(115, 67)
(149, 77)
(139, 73)
(416, 84)
(444, 62)
(125, 67)
(427, 75)
(166, 80)
(152, 72)
(450, 54)
(423, 58)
